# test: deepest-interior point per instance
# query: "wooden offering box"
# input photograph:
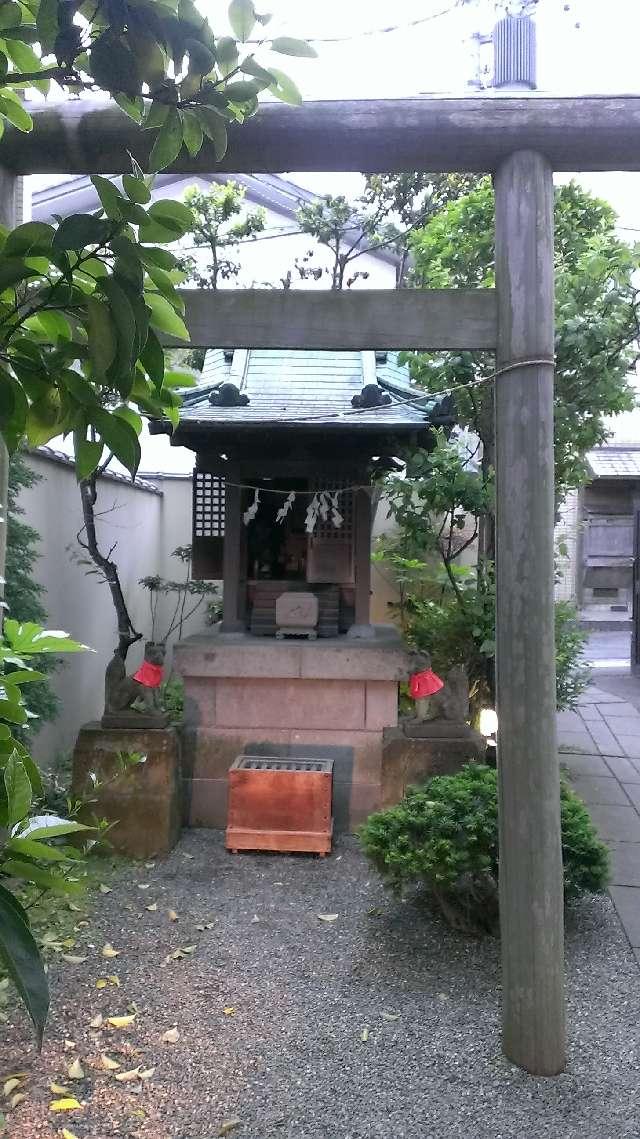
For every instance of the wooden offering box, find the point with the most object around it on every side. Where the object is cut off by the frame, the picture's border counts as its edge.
(280, 804)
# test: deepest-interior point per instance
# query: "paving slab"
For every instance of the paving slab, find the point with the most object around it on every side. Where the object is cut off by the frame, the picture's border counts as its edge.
(572, 721)
(622, 768)
(598, 696)
(605, 740)
(625, 864)
(604, 789)
(632, 790)
(590, 712)
(626, 899)
(631, 745)
(582, 763)
(619, 711)
(576, 741)
(621, 824)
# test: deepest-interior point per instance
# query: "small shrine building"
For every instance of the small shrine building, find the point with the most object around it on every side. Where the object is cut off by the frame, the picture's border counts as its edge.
(289, 447)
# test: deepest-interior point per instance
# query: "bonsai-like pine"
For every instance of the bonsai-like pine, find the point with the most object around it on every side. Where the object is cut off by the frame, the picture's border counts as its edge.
(443, 836)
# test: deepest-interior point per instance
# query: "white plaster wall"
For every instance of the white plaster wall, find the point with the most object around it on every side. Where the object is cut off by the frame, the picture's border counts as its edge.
(146, 527)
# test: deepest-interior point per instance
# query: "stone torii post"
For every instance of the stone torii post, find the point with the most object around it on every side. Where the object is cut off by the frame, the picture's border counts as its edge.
(520, 141)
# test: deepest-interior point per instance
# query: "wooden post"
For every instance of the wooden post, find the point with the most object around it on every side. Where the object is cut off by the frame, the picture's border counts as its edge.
(231, 573)
(362, 628)
(531, 884)
(10, 215)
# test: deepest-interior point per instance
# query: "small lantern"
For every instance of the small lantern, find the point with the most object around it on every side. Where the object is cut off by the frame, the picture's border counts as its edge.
(422, 686)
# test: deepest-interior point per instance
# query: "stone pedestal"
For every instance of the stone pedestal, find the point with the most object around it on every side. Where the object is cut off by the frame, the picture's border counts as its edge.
(328, 698)
(416, 750)
(146, 800)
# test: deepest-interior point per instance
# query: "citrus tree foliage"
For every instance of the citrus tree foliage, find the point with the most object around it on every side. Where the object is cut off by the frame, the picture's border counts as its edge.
(159, 59)
(31, 844)
(219, 224)
(23, 594)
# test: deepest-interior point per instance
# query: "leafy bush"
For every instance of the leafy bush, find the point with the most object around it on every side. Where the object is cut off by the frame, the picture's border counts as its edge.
(572, 671)
(172, 698)
(444, 837)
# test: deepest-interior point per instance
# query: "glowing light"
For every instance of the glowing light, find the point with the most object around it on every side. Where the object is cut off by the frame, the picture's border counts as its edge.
(488, 722)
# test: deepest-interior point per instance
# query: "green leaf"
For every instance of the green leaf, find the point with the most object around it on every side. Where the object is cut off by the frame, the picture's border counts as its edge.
(51, 826)
(16, 114)
(103, 340)
(165, 318)
(10, 14)
(78, 387)
(167, 146)
(54, 325)
(130, 416)
(172, 215)
(114, 66)
(156, 115)
(18, 787)
(193, 132)
(136, 189)
(215, 129)
(22, 959)
(28, 638)
(29, 848)
(284, 88)
(152, 359)
(122, 316)
(31, 238)
(79, 230)
(56, 883)
(88, 455)
(285, 45)
(226, 54)
(47, 24)
(119, 437)
(242, 17)
(109, 195)
(134, 108)
(23, 56)
(13, 270)
(242, 91)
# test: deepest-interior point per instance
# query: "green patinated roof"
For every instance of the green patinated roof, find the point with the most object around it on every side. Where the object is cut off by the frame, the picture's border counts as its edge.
(298, 387)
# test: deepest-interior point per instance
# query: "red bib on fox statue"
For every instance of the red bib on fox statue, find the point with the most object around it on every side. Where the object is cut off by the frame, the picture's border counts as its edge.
(150, 675)
(425, 683)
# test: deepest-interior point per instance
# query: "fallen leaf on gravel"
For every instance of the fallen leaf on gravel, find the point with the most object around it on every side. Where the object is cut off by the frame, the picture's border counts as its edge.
(10, 1085)
(328, 917)
(104, 889)
(112, 979)
(443, 996)
(58, 1089)
(76, 909)
(146, 1073)
(16, 1099)
(68, 1104)
(73, 960)
(228, 1125)
(75, 1071)
(255, 919)
(187, 855)
(96, 1021)
(171, 1036)
(172, 915)
(229, 1010)
(364, 1035)
(391, 1016)
(153, 907)
(69, 1044)
(144, 885)
(121, 1021)
(127, 1077)
(108, 1063)
(68, 1134)
(109, 951)
(149, 865)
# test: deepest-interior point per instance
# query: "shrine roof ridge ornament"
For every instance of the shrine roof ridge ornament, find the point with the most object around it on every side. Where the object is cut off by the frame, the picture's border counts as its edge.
(471, 133)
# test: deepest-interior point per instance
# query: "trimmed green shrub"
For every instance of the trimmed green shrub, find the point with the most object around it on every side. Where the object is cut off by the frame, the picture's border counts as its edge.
(443, 836)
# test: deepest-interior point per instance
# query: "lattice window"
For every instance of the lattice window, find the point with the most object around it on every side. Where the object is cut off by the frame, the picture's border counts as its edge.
(331, 547)
(208, 525)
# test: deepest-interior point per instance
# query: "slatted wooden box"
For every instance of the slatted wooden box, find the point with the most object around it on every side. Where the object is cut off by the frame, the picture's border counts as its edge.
(280, 804)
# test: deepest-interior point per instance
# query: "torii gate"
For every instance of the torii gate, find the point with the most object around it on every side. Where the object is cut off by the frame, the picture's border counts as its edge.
(520, 141)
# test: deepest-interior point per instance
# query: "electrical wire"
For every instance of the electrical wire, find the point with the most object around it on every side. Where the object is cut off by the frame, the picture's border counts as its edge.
(369, 32)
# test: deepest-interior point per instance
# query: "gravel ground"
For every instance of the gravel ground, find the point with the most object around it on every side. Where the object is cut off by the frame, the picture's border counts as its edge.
(378, 1024)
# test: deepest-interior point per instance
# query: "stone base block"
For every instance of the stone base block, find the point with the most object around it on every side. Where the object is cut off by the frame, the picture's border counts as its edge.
(408, 760)
(145, 802)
